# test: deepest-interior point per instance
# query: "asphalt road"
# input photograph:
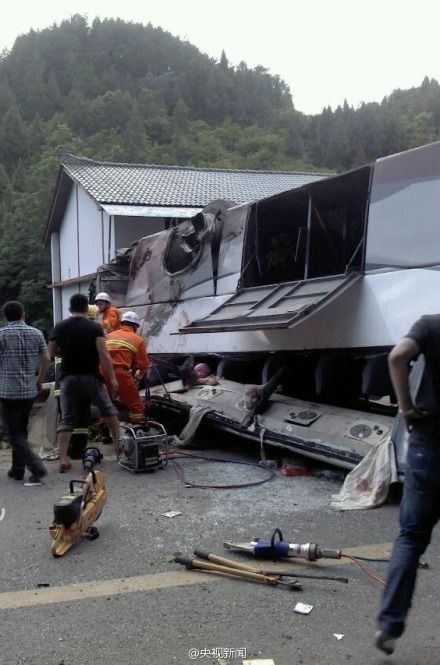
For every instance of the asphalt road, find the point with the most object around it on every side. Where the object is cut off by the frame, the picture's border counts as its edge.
(121, 600)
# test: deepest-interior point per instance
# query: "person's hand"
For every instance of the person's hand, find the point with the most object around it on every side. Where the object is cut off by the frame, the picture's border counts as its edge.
(212, 381)
(114, 386)
(39, 387)
(138, 374)
(412, 414)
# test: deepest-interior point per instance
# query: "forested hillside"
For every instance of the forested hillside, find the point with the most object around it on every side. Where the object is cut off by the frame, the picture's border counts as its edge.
(126, 92)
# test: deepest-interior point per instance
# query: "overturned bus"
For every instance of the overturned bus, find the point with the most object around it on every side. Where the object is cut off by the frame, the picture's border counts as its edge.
(313, 286)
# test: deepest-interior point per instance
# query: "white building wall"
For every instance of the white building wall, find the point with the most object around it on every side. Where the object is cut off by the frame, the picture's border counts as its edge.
(108, 225)
(66, 293)
(56, 276)
(85, 228)
(82, 245)
(87, 238)
(68, 240)
(90, 234)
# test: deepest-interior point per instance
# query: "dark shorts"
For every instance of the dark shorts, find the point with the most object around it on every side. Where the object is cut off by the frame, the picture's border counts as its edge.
(77, 391)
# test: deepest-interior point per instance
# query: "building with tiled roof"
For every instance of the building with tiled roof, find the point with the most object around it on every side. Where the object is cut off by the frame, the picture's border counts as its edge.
(100, 207)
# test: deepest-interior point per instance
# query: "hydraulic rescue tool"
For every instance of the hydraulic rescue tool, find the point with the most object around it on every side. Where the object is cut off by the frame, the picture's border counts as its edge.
(214, 558)
(75, 512)
(275, 548)
(229, 568)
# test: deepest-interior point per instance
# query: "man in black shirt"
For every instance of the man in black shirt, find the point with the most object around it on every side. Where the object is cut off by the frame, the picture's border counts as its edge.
(80, 343)
(420, 506)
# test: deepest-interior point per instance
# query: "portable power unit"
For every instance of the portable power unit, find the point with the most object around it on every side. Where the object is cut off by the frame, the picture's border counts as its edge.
(142, 447)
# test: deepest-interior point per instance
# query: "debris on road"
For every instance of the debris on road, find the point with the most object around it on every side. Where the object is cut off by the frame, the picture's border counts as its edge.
(171, 513)
(303, 608)
(339, 636)
(294, 470)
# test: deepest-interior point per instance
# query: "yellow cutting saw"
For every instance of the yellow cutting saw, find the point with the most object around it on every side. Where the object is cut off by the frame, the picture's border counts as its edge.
(75, 512)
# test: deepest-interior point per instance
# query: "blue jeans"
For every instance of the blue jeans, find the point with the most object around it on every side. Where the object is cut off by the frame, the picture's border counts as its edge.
(419, 513)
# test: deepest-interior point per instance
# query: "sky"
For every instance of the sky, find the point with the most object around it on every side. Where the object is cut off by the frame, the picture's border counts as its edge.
(327, 51)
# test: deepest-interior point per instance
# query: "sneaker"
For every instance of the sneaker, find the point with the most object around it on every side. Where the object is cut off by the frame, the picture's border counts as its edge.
(50, 456)
(16, 475)
(385, 642)
(35, 480)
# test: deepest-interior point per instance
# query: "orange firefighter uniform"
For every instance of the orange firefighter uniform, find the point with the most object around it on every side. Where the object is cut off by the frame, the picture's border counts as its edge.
(128, 354)
(110, 319)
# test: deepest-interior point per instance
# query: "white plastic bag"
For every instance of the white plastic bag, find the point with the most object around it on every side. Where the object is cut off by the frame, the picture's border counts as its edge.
(367, 485)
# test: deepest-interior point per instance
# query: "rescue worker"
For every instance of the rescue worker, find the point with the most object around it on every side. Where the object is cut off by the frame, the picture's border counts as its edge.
(92, 312)
(129, 359)
(109, 319)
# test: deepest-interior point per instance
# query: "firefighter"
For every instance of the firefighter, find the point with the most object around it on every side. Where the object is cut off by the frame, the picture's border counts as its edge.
(110, 319)
(129, 358)
(92, 312)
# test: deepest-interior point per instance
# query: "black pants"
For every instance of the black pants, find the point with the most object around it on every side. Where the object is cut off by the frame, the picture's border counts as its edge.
(15, 414)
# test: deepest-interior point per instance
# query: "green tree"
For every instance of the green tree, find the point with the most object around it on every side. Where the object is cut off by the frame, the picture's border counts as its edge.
(224, 62)
(5, 186)
(14, 142)
(136, 144)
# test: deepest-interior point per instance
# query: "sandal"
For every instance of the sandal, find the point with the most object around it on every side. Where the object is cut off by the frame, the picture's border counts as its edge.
(64, 468)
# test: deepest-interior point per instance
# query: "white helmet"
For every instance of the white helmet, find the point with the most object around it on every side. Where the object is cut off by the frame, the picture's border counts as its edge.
(131, 317)
(103, 296)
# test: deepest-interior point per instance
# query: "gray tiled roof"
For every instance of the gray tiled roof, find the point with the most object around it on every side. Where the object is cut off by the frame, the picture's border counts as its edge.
(146, 184)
